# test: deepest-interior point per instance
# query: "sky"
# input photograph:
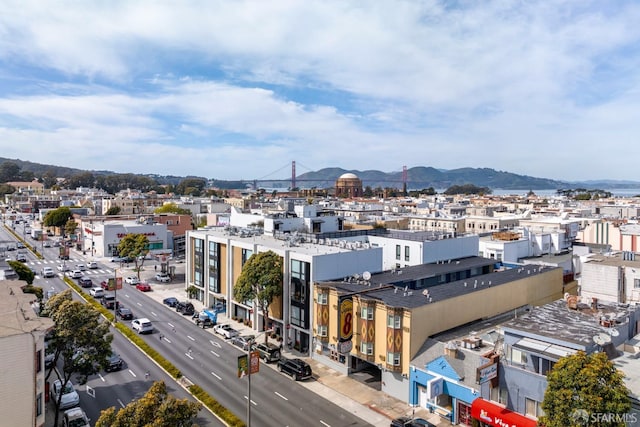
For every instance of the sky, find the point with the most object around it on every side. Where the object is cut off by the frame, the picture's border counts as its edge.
(239, 89)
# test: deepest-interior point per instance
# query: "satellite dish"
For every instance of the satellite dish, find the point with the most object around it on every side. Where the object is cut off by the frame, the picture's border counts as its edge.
(613, 332)
(602, 339)
(366, 275)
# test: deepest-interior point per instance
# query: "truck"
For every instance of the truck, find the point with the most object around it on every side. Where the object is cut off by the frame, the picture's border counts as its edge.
(36, 233)
(206, 319)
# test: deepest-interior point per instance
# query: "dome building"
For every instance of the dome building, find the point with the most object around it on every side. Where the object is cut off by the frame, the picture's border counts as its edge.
(348, 185)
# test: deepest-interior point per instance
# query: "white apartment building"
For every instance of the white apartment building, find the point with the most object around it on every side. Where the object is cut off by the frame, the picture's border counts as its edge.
(22, 386)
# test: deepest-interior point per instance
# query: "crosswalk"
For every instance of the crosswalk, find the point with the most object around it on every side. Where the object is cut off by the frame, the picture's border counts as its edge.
(71, 263)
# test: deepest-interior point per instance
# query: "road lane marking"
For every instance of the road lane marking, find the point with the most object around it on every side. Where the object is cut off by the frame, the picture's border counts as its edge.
(126, 295)
(214, 353)
(91, 392)
(325, 424)
(215, 344)
(154, 314)
(280, 396)
(252, 402)
(101, 377)
(218, 377)
(131, 372)
(167, 340)
(170, 325)
(189, 356)
(120, 402)
(191, 338)
(139, 304)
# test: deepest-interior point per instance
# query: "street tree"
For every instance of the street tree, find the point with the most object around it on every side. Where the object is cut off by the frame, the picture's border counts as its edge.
(581, 387)
(113, 210)
(156, 408)
(23, 272)
(136, 247)
(260, 281)
(81, 341)
(172, 208)
(57, 218)
(70, 227)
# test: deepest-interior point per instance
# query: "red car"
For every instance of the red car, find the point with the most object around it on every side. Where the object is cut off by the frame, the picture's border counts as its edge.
(144, 287)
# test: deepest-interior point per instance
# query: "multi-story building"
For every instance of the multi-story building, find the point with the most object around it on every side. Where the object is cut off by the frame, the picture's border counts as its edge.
(614, 277)
(22, 332)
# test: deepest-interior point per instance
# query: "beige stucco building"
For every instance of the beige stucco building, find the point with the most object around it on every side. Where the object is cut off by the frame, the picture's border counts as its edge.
(22, 385)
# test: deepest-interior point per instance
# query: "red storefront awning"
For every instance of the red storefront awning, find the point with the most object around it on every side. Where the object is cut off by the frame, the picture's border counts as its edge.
(498, 416)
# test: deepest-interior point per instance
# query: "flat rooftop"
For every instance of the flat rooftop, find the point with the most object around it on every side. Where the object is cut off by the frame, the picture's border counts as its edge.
(16, 313)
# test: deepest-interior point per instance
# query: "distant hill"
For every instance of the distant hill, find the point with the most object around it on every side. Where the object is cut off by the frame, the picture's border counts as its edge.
(417, 178)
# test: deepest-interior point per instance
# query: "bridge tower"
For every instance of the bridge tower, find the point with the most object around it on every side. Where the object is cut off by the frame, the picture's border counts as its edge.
(293, 174)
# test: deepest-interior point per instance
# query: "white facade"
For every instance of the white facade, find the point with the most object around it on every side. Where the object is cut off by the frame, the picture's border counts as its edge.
(105, 236)
(614, 277)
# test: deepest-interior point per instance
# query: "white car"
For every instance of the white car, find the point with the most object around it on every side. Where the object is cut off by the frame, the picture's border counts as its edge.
(74, 274)
(225, 330)
(163, 277)
(75, 417)
(48, 272)
(131, 280)
(70, 397)
(96, 292)
(63, 267)
(142, 325)
(81, 267)
(92, 265)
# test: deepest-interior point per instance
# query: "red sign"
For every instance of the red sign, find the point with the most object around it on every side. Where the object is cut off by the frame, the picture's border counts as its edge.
(499, 416)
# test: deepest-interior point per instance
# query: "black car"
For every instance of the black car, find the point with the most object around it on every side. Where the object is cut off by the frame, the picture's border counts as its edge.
(185, 308)
(85, 282)
(171, 301)
(114, 363)
(268, 352)
(124, 313)
(108, 301)
(298, 369)
(410, 422)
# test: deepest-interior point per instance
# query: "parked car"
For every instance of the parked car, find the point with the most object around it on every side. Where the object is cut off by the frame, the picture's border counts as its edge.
(48, 272)
(410, 422)
(268, 352)
(124, 313)
(131, 280)
(49, 355)
(92, 265)
(298, 369)
(85, 282)
(225, 330)
(170, 301)
(163, 277)
(96, 292)
(109, 301)
(144, 287)
(70, 397)
(114, 362)
(243, 341)
(142, 325)
(75, 417)
(74, 274)
(185, 308)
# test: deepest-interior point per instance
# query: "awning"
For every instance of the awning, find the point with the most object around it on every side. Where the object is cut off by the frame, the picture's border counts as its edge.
(498, 416)
(553, 351)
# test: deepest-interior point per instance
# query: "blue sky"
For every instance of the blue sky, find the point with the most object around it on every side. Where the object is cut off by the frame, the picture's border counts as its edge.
(239, 89)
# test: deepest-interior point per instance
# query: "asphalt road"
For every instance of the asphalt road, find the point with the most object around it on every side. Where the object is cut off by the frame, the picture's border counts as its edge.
(203, 357)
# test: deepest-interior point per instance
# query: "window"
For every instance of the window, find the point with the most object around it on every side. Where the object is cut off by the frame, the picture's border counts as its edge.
(366, 348)
(393, 321)
(323, 298)
(398, 249)
(322, 330)
(533, 408)
(367, 313)
(393, 358)
(406, 253)
(499, 395)
(214, 270)
(39, 361)
(39, 405)
(246, 254)
(518, 357)
(636, 283)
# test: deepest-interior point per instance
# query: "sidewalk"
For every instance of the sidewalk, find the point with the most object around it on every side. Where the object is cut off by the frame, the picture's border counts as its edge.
(371, 405)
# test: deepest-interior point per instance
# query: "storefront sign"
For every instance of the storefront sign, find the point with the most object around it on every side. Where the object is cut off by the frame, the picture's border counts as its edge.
(498, 416)
(434, 388)
(121, 235)
(486, 373)
(346, 319)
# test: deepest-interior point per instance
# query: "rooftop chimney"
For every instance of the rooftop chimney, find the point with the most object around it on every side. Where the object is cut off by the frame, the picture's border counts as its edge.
(594, 303)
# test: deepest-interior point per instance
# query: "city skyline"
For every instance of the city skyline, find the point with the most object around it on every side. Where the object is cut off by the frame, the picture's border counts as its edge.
(235, 90)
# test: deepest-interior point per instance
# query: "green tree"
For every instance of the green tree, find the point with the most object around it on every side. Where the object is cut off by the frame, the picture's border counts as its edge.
(172, 208)
(191, 186)
(113, 210)
(7, 189)
(136, 247)
(36, 290)
(581, 385)
(80, 339)
(260, 281)
(9, 171)
(49, 179)
(70, 227)
(57, 218)
(157, 408)
(23, 272)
